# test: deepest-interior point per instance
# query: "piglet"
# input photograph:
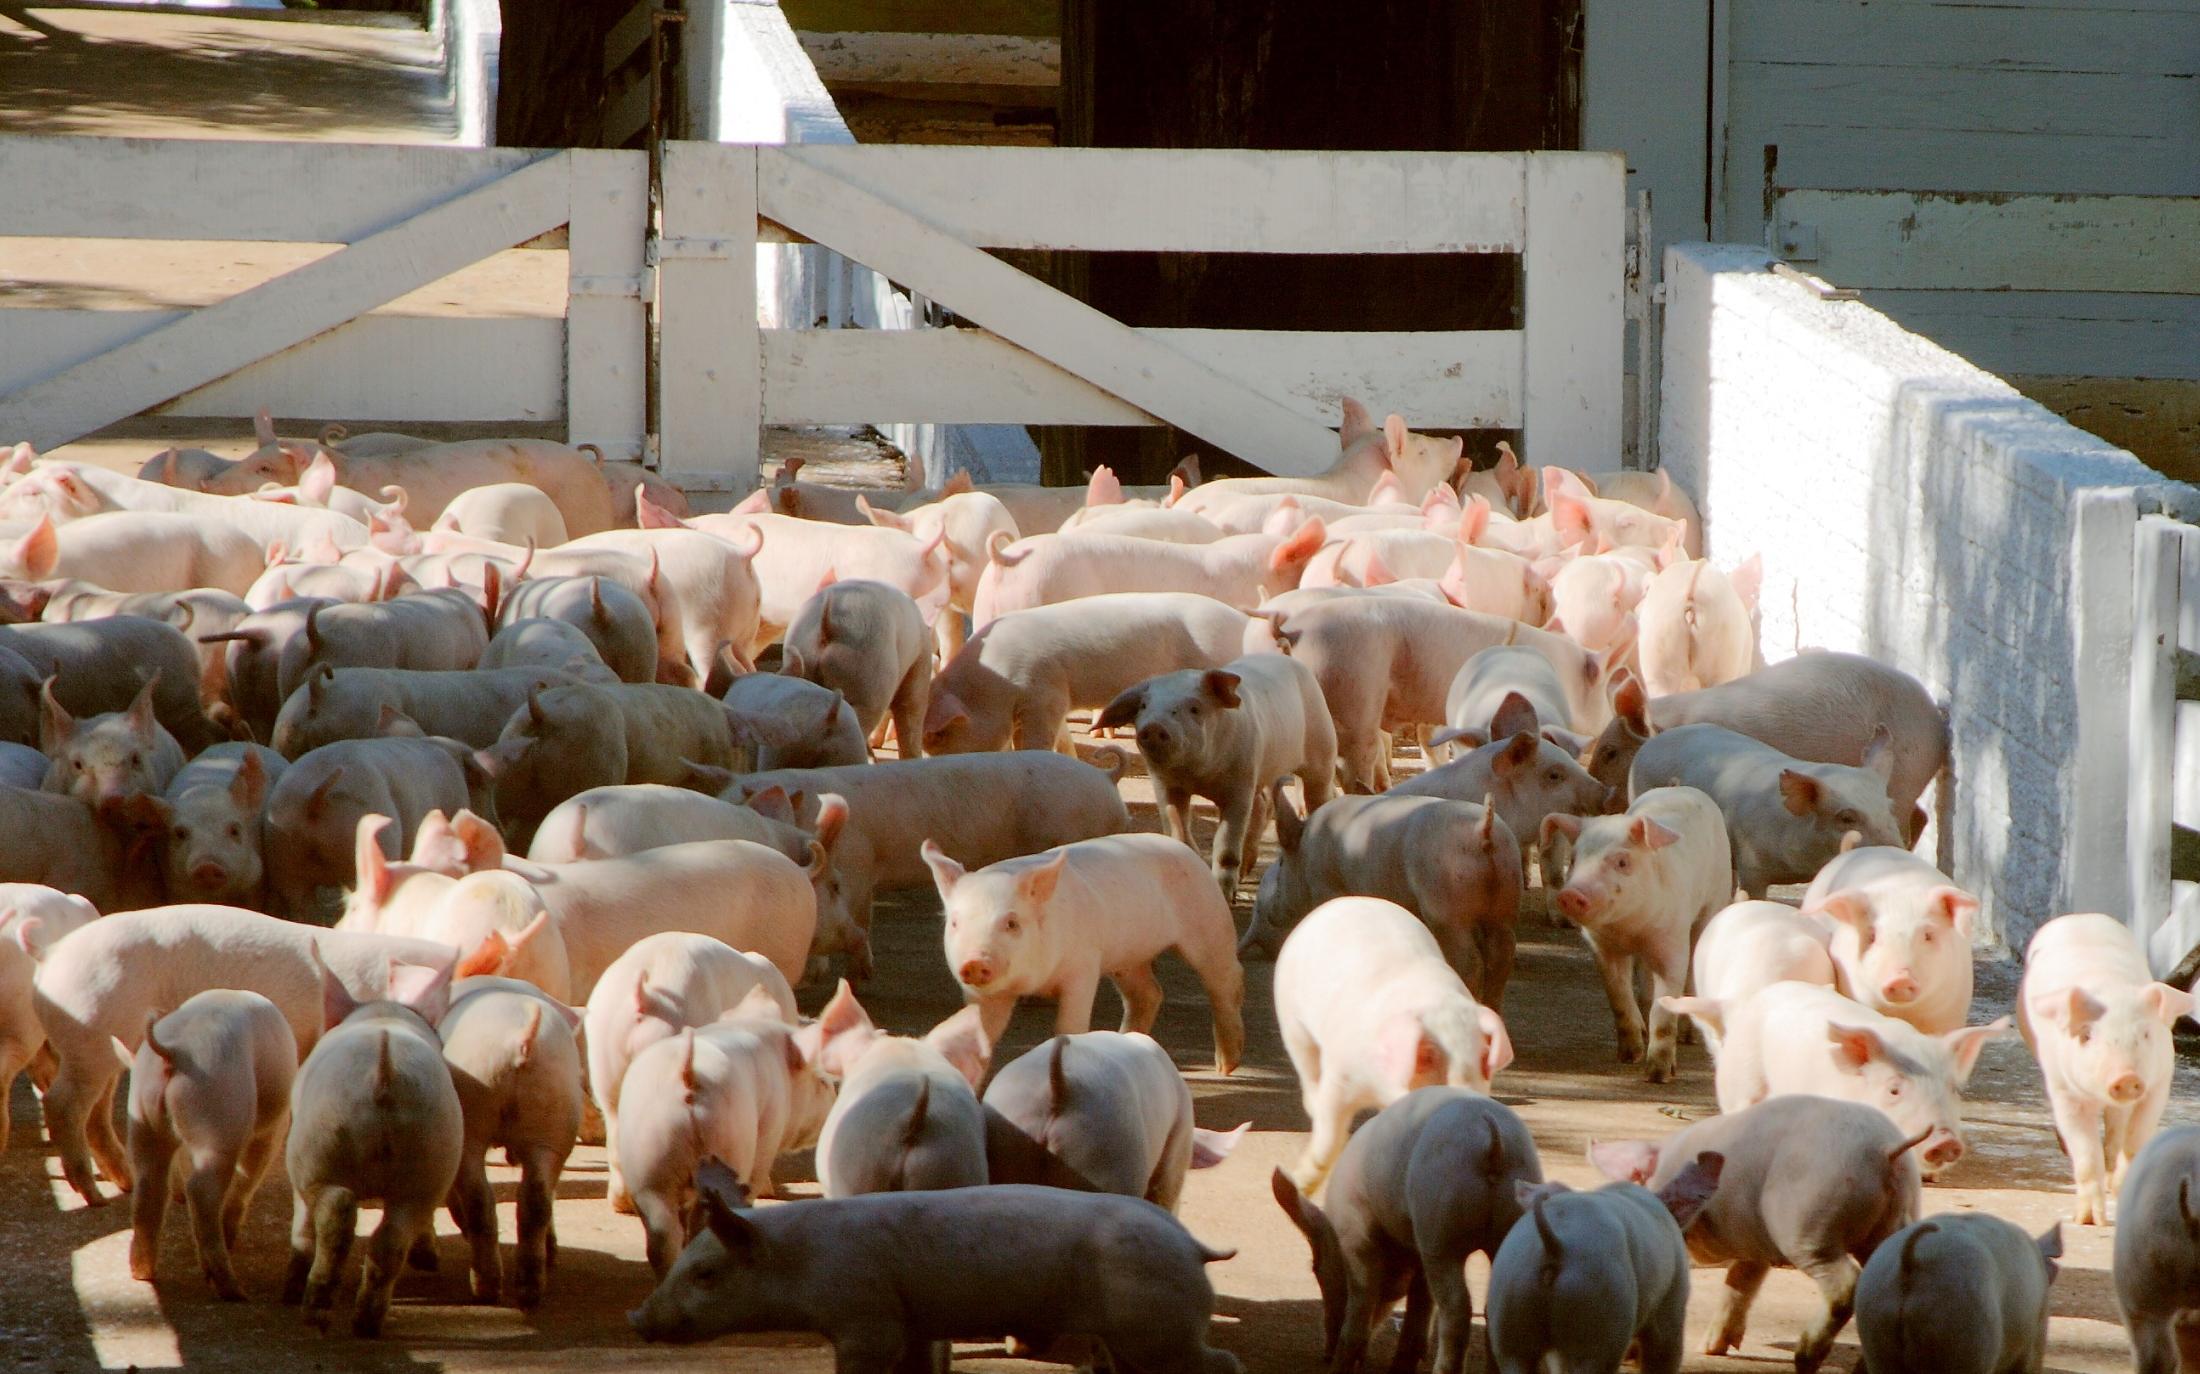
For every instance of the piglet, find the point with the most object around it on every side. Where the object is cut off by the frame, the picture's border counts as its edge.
(663, 984)
(1113, 1109)
(517, 1069)
(374, 1118)
(1453, 864)
(1587, 1277)
(211, 813)
(745, 1088)
(1429, 1180)
(789, 722)
(32, 918)
(1698, 626)
(2157, 1258)
(107, 759)
(571, 738)
(1797, 1038)
(870, 643)
(1961, 1293)
(2100, 1025)
(213, 1080)
(1056, 922)
(310, 829)
(1900, 934)
(1226, 734)
(1525, 778)
(907, 1116)
(1640, 885)
(883, 1276)
(1370, 1011)
(1785, 818)
(1747, 948)
(1809, 1182)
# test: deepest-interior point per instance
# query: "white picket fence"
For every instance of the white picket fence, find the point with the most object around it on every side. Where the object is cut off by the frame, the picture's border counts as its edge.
(305, 344)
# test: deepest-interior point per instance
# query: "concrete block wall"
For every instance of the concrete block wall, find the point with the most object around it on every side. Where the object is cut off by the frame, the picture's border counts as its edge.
(1915, 508)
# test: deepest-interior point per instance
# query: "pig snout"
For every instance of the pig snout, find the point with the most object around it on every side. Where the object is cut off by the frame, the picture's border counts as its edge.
(975, 973)
(1899, 989)
(641, 1325)
(1574, 902)
(2128, 1087)
(1941, 1149)
(1155, 738)
(208, 874)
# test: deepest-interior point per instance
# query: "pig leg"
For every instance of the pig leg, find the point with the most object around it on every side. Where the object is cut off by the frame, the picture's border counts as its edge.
(1074, 998)
(1413, 1326)
(2146, 1115)
(12, 1061)
(621, 1200)
(2079, 1123)
(152, 1151)
(994, 1014)
(2153, 1345)
(327, 1227)
(1661, 1339)
(259, 1157)
(1231, 838)
(1445, 1279)
(1743, 1279)
(664, 1228)
(207, 1194)
(402, 1222)
(1141, 994)
(1495, 945)
(1835, 1276)
(474, 1208)
(1364, 1287)
(69, 1101)
(538, 1186)
(1618, 971)
(1249, 852)
(1041, 720)
(107, 1147)
(1176, 812)
(907, 708)
(1213, 957)
(1331, 1109)
(1668, 978)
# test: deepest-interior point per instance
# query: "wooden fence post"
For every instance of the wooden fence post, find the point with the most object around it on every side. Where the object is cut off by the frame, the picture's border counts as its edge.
(606, 332)
(2155, 577)
(709, 375)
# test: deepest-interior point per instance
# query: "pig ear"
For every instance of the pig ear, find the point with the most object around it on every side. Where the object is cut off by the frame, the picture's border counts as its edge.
(1210, 1148)
(1651, 835)
(426, 990)
(1849, 908)
(483, 843)
(962, 1041)
(2167, 1002)
(1529, 1194)
(1104, 489)
(1879, 754)
(336, 999)
(1569, 517)
(1394, 434)
(2074, 1010)
(487, 958)
(2050, 1245)
(39, 550)
(370, 866)
(248, 788)
(1514, 714)
(1748, 580)
(1955, 906)
(318, 482)
(1854, 1046)
(1625, 1161)
(1692, 1188)
(55, 724)
(1302, 544)
(1039, 883)
(140, 714)
(1121, 711)
(1497, 1045)
(1799, 792)
(1222, 685)
(1474, 519)
(1355, 422)
(945, 871)
(1403, 1051)
(1966, 1044)
(1559, 823)
(832, 817)
(1631, 704)
(724, 1199)
(1519, 752)
(842, 1015)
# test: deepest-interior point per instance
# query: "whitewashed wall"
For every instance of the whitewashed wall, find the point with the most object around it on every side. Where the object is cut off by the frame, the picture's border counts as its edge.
(1912, 507)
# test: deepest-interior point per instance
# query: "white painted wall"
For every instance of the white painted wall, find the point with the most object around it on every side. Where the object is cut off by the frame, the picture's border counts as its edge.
(473, 42)
(1913, 507)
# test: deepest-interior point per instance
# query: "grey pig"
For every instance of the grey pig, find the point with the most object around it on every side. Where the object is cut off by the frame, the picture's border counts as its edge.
(1809, 1182)
(1596, 1273)
(791, 722)
(882, 1276)
(1963, 1293)
(1431, 1179)
(2157, 1263)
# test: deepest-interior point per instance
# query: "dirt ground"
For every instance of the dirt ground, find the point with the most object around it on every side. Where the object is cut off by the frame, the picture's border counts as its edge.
(67, 1302)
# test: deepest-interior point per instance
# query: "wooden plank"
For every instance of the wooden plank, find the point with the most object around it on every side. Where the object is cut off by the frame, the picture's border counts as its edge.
(749, 81)
(2185, 765)
(1645, 68)
(1465, 380)
(378, 367)
(2120, 38)
(1195, 200)
(1927, 240)
(1860, 97)
(2057, 333)
(628, 36)
(216, 341)
(1032, 18)
(968, 59)
(710, 375)
(1150, 375)
(606, 333)
(256, 192)
(626, 113)
(2155, 592)
(1572, 279)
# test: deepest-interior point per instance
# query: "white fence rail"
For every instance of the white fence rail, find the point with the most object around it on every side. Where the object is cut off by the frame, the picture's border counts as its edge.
(308, 344)
(305, 342)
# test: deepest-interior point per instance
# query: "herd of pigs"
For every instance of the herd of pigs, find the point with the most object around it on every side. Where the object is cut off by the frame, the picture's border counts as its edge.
(382, 804)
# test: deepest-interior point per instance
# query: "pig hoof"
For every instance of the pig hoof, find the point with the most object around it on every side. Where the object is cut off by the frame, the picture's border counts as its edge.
(367, 1323)
(1656, 1072)
(623, 1204)
(225, 1288)
(1629, 1054)
(423, 1256)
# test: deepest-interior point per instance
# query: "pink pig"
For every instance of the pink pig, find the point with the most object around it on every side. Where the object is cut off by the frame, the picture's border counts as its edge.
(1239, 569)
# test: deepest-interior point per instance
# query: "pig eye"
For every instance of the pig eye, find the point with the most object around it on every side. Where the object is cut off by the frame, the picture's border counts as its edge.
(183, 832)
(77, 764)
(2085, 1035)
(1932, 937)
(136, 760)
(236, 832)
(1555, 775)
(1012, 926)
(1847, 818)
(1894, 1089)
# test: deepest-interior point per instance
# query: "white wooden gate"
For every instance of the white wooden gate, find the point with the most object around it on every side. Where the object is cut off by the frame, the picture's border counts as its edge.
(926, 216)
(2164, 824)
(304, 341)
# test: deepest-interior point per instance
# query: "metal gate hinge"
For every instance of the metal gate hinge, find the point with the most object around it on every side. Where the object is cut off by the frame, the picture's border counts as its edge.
(661, 250)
